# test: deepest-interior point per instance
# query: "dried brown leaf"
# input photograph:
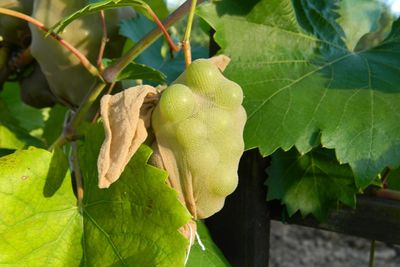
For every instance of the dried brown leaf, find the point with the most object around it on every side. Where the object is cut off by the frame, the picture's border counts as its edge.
(126, 117)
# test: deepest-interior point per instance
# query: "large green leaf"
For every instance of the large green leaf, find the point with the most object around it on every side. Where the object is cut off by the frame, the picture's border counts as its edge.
(135, 222)
(36, 230)
(303, 85)
(311, 183)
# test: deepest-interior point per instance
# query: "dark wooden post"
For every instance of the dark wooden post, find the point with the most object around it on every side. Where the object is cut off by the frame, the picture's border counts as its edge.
(241, 229)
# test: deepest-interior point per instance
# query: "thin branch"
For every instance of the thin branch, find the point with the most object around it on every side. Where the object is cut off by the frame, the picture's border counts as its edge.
(104, 40)
(162, 28)
(186, 39)
(84, 61)
(69, 132)
(372, 254)
(109, 91)
(111, 73)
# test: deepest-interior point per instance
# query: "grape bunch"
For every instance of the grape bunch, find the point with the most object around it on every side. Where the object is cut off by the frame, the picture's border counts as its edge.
(200, 119)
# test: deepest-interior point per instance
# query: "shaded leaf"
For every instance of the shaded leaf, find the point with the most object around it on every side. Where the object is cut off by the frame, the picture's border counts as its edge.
(311, 183)
(304, 87)
(35, 229)
(134, 71)
(28, 117)
(12, 136)
(393, 179)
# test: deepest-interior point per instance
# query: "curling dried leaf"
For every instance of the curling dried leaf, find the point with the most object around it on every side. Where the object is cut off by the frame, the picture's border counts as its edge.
(126, 116)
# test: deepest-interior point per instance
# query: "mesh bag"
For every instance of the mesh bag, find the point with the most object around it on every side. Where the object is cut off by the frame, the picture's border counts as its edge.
(198, 124)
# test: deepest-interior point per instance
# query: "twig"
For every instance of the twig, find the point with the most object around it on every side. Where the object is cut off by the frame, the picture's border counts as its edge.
(163, 30)
(111, 73)
(69, 130)
(372, 254)
(186, 39)
(84, 61)
(104, 40)
(109, 91)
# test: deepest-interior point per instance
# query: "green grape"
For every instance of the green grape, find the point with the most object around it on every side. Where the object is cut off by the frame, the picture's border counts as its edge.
(207, 204)
(223, 181)
(202, 160)
(229, 94)
(177, 103)
(203, 76)
(218, 121)
(191, 133)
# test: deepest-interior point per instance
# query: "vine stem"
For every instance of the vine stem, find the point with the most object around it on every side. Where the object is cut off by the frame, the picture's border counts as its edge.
(111, 73)
(69, 132)
(84, 61)
(186, 39)
(372, 254)
(104, 40)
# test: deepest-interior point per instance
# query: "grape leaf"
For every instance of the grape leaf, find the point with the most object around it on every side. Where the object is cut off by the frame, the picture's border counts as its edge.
(303, 85)
(135, 71)
(95, 7)
(35, 229)
(135, 222)
(12, 136)
(367, 13)
(211, 256)
(312, 183)
(28, 117)
(393, 179)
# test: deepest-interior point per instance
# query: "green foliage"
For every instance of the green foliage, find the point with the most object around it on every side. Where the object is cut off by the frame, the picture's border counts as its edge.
(211, 256)
(36, 229)
(305, 88)
(311, 183)
(27, 117)
(135, 222)
(95, 7)
(135, 71)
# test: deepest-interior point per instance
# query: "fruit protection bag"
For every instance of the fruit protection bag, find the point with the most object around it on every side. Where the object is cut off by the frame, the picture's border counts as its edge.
(198, 128)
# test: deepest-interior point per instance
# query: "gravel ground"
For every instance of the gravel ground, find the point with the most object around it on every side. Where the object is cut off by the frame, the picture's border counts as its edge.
(297, 246)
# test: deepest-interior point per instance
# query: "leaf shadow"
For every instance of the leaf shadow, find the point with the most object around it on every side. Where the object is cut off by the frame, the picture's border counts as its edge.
(56, 173)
